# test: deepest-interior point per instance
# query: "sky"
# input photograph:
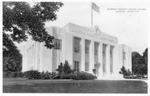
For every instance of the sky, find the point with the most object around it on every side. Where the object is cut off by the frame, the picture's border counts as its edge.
(131, 28)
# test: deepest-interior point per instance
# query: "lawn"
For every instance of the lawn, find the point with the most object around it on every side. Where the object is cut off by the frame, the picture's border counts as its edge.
(73, 86)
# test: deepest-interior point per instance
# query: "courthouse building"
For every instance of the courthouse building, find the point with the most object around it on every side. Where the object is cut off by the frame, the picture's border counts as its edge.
(84, 48)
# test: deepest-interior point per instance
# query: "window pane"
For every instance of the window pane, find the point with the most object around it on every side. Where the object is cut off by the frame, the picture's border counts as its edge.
(57, 43)
(76, 65)
(76, 45)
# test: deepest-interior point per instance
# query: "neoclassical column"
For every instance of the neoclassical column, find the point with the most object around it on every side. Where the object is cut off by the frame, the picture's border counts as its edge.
(82, 54)
(38, 56)
(91, 66)
(116, 62)
(35, 53)
(100, 59)
(24, 60)
(111, 59)
(41, 55)
(108, 59)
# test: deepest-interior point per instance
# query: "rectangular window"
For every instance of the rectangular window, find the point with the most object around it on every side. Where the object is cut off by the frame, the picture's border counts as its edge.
(57, 43)
(87, 46)
(76, 45)
(76, 65)
(96, 49)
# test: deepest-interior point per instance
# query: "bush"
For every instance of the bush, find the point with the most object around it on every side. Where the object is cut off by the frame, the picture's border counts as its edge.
(53, 75)
(47, 75)
(60, 68)
(77, 76)
(64, 69)
(67, 69)
(32, 74)
(125, 72)
(84, 76)
(65, 72)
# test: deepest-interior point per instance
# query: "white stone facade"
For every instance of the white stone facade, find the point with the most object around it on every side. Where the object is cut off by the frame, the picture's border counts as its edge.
(84, 48)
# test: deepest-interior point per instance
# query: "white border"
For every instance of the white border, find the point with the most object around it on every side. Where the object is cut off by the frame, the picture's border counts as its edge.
(47, 94)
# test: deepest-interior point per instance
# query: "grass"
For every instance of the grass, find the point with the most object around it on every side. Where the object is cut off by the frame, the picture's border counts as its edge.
(73, 86)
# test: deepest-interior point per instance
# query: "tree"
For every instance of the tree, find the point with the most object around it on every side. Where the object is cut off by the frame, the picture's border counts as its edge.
(12, 58)
(67, 69)
(60, 68)
(21, 21)
(64, 68)
(139, 63)
(145, 56)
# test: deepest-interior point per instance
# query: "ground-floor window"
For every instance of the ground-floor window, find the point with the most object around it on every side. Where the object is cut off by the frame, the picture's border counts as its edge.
(76, 65)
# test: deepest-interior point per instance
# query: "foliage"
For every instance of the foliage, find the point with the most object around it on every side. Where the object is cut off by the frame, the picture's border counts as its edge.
(67, 69)
(47, 75)
(65, 72)
(94, 71)
(64, 69)
(77, 76)
(32, 74)
(21, 21)
(139, 63)
(145, 57)
(84, 76)
(125, 72)
(60, 68)
(12, 58)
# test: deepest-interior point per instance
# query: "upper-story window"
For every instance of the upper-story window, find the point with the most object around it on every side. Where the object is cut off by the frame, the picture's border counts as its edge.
(76, 65)
(96, 49)
(87, 46)
(104, 49)
(57, 43)
(76, 45)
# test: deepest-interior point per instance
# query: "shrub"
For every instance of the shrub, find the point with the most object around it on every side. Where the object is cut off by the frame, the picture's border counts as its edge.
(32, 74)
(67, 69)
(64, 69)
(47, 75)
(125, 72)
(84, 76)
(60, 68)
(53, 75)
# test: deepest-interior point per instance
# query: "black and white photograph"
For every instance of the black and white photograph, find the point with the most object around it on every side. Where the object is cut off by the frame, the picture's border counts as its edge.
(76, 46)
